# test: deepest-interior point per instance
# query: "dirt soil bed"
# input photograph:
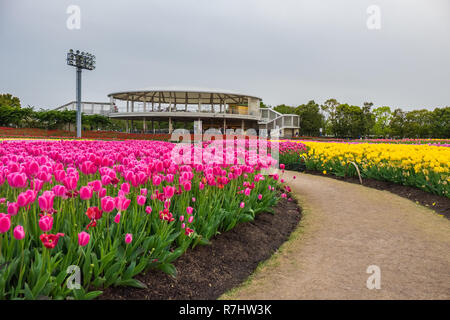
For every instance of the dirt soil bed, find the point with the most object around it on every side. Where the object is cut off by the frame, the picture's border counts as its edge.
(207, 272)
(437, 203)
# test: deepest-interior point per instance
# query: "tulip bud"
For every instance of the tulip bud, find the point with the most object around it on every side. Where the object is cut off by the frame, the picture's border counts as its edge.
(83, 238)
(19, 233)
(128, 238)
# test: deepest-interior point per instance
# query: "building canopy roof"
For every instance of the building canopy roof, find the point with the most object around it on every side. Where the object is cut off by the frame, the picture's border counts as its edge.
(176, 95)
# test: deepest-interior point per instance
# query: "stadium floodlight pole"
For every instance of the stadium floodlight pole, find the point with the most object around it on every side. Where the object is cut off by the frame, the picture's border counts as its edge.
(81, 61)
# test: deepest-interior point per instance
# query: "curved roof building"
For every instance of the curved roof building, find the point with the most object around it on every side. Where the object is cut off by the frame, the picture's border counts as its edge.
(211, 108)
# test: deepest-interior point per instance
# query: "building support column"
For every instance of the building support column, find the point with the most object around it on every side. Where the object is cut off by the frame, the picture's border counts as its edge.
(243, 126)
(224, 126)
(170, 125)
(111, 104)
(153, 126)
(144, 125)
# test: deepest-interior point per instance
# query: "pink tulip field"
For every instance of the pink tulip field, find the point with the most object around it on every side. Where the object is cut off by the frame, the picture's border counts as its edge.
(117, 208)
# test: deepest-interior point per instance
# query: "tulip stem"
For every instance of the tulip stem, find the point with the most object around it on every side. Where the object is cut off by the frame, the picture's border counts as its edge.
(21, 265)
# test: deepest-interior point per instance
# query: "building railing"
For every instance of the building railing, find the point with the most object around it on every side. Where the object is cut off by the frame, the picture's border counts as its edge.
(273, 119)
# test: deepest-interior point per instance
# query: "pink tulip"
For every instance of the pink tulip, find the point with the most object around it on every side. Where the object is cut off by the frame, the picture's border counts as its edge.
(122, 203)
(46, 223)
(87, 167)
(96, 185)
(5, 222)
(247, 191)
(191, 218)
(101, 193)
(23, 199)
(125, 187)
(128, 238)
(83, 238)
(19, 233)
(46, 201)
(60, 175)
(59, 190)
(201, 186)
(106, 180)
(156, 180)
(259, 196)
(141, 200)
(169, 191)
(242, 205)
(187, 186)
(183, 226)
(32, 168)
(193, 199)
(282, 166)
(117, 218)
(86, 193)
(107, 203)
(144, 192)
(181, 218)
(70, 182)
(13, 208)
(36, 184)
(17, 180)
(294, 177)
(148, 209)
(189, 210)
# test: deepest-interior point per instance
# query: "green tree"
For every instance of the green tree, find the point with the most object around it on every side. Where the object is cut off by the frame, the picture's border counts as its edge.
(9, 100)
(382, 117)
(284, 109)
(311, 120)
(418, 124)
(329, 108)
(440, 123)
(368, 119)
(397, 123)
(350, 121)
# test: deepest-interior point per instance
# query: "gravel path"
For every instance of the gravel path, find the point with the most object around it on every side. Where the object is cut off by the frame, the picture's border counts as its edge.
(346, 228)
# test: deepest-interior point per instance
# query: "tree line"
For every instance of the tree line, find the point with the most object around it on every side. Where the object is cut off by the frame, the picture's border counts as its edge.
(13, 115)
(336, 119)
(342, 120)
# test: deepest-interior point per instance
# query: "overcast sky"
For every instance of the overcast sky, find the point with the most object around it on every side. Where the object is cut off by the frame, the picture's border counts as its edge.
(284, 51)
